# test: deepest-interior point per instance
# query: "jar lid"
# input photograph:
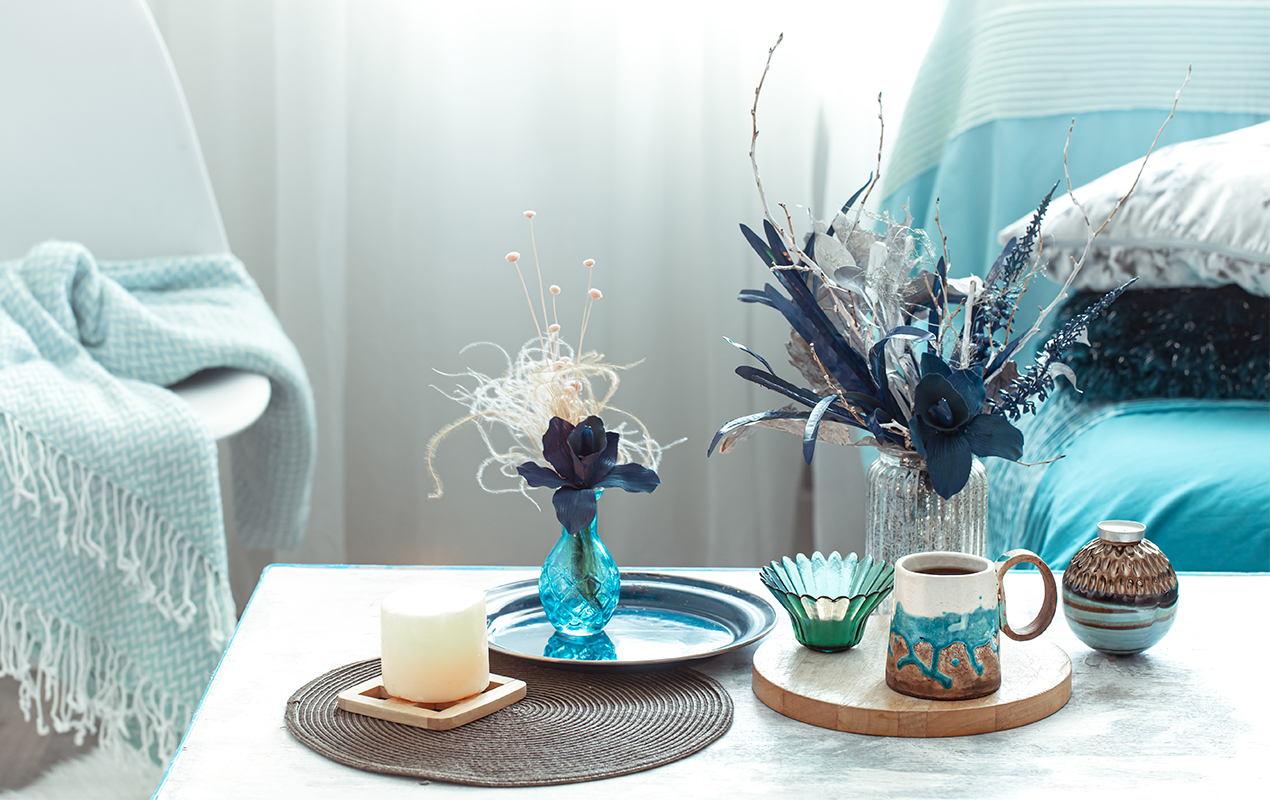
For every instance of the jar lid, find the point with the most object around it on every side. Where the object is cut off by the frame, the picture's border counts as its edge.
(1121, 531)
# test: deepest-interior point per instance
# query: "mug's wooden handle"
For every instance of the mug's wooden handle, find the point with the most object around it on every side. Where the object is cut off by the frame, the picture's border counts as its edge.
(1043, 618)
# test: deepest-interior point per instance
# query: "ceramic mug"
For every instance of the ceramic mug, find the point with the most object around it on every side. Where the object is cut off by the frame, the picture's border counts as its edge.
(949, 612)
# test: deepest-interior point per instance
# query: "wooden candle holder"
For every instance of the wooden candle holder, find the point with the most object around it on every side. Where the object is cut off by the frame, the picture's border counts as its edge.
(370, 699)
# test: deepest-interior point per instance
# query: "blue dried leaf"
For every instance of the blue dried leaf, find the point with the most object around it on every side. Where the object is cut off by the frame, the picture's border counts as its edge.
(776, 246)
(759, 245)
(755, 296)
(844, 364)
(805, 396)
(847, 205)
(751, 419)
(812, 430)
(1006, 251)
(762, 360)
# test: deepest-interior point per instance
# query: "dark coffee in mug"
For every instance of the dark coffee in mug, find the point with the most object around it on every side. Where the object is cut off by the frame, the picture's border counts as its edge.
(945, 571)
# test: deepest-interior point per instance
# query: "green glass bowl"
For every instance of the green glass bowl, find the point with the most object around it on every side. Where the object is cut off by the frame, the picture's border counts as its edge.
(829, 599)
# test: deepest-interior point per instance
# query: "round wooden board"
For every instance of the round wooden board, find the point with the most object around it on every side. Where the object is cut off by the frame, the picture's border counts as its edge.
(847, 691)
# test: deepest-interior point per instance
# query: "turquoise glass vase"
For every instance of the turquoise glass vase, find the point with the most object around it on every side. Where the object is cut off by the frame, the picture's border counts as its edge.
(579, 583)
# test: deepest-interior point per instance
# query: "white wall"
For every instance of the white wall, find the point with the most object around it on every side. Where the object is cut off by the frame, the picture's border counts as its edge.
(371, 160)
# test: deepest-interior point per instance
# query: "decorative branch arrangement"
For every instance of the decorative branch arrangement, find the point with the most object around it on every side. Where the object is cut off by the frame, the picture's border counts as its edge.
(548, 403)
(893, 348)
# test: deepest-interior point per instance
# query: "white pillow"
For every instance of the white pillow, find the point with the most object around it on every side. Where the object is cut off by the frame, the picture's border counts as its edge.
(1199, 216)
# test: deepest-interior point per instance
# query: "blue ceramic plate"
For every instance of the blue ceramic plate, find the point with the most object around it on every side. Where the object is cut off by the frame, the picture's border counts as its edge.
(660, 619)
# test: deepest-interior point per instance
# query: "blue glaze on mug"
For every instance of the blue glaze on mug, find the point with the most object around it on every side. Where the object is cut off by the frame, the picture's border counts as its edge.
(974, 629)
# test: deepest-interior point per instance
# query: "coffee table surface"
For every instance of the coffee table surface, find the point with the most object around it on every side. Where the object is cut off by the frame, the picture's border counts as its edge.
(1189, 711)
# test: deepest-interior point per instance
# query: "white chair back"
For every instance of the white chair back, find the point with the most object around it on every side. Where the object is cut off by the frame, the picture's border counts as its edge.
(96, 141)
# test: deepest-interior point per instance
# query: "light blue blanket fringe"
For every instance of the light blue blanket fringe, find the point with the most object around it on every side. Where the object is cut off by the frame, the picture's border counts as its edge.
(114, 597)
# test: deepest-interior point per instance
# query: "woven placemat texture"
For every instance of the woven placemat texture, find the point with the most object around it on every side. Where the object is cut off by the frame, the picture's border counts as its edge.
(572, 726)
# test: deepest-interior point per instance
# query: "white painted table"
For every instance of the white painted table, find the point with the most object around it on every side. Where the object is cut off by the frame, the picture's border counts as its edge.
(1190, 712)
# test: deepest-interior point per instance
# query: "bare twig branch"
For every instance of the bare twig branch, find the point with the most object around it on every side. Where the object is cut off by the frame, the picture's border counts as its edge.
(788, 220)
(795, 252)
(1176, 97)
(754, 125)
(1040, 463)
(877, 173)
(1089, 242)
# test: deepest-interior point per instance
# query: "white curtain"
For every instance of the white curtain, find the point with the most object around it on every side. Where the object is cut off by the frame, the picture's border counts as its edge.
(372, 160)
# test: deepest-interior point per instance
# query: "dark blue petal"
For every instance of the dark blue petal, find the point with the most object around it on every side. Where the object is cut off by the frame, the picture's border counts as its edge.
(993, 435)
(930, 390)
(537, 476)
(588, 437)
(631, 477)
(948, 462)
(555, 447)
(941, 414)
(594, 467)
(919, 432)
(575, 508)
(934, 365)
(969, 384)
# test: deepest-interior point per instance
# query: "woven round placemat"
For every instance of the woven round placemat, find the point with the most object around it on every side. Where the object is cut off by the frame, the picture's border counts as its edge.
(572, 726)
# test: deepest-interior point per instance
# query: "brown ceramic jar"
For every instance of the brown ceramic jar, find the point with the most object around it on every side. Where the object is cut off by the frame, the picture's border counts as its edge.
(1119, 591)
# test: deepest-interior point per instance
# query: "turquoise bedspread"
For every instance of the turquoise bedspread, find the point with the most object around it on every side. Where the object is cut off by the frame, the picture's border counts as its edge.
(1196, 472)
(114, 597)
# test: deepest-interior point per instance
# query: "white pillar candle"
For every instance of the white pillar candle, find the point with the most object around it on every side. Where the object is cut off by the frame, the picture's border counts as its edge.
(433, 643)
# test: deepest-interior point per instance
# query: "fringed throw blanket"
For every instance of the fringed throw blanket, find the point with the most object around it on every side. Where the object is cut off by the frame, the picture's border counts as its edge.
(114, 600)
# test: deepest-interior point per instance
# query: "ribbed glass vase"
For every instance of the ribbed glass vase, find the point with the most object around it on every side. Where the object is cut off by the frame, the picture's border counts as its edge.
(904, 514)
(579, 583)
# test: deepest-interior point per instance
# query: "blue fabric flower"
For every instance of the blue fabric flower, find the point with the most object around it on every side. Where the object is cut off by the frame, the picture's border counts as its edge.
(585, 459)
(947, 428)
